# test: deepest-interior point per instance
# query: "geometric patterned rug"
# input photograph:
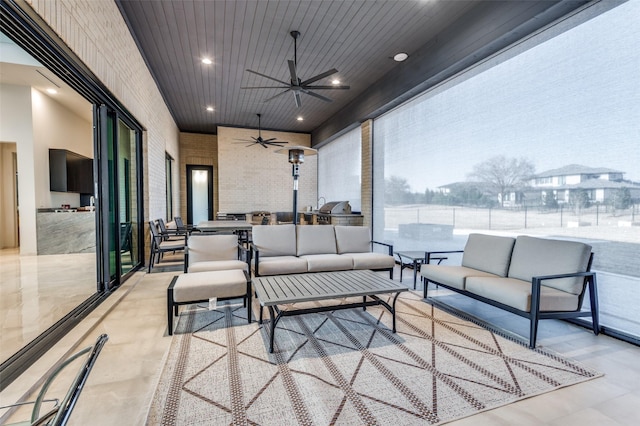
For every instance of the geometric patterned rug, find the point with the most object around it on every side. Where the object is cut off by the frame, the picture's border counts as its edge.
(347, 367)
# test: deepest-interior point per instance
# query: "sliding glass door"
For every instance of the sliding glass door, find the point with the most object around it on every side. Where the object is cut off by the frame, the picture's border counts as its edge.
(119, 191)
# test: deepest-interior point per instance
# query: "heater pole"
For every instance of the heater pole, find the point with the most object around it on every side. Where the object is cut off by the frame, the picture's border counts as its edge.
(296, 173)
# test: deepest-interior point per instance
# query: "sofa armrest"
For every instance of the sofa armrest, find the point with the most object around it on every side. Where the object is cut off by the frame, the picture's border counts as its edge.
(244, 253)
(389, 246)
(255, 254)
(536, 283)
(427, 254)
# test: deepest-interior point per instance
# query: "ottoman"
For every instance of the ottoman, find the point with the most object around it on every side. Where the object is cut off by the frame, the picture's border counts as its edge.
(199, 287)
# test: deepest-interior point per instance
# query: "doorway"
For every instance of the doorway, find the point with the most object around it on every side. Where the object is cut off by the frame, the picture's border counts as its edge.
(199, 193)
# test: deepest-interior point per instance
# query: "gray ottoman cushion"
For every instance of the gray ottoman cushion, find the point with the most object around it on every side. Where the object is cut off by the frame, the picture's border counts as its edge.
(205, 285)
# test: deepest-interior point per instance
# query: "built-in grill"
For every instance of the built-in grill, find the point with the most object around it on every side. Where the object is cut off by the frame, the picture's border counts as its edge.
(326, 212)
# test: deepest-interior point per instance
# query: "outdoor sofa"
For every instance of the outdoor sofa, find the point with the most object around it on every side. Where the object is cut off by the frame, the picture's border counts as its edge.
(291, 249)
(535, 278)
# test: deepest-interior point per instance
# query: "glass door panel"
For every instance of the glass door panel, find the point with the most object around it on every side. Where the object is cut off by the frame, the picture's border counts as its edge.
(128, 198)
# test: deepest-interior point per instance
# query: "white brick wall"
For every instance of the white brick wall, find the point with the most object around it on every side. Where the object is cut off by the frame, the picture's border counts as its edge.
(97, 33)
(253, 178)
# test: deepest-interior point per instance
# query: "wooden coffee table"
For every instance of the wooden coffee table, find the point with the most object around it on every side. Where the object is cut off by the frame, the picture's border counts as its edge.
(286, 289)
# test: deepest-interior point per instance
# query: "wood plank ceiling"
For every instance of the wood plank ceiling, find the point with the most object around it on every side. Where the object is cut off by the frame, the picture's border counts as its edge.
(359, 38)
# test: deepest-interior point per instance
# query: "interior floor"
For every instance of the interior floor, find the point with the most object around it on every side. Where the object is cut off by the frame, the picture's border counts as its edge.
(37, 291)
(124, 378)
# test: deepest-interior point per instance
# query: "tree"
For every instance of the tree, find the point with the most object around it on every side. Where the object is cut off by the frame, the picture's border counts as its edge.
(549, 200)
(579, 199)
(503, 174)
(397, 191)
(621, 200)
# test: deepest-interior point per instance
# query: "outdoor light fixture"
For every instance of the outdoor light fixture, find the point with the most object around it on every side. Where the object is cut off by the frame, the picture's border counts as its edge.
(296, 157)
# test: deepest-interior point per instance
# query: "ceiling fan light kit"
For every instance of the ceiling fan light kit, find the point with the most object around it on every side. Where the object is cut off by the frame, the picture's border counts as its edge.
(296, 85)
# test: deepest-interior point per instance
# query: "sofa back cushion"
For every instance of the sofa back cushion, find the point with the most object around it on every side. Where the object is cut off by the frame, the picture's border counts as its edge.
(488, 253)
(204, 248)
(538, 256)
(275, 240)
(353, 239)
(316, 240)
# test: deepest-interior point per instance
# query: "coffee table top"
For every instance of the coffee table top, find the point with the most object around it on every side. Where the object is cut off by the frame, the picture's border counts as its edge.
(284, 289)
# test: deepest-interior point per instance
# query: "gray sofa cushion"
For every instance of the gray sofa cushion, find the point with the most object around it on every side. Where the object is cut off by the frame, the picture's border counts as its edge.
(517, 294)
(371, 260)
(217, 265)
(281, 265)
(202, 248)
(450, 275)
(316, 240)
(488, 253)
(275, 240)
(327, 262)
(537, 256)
(353, 239)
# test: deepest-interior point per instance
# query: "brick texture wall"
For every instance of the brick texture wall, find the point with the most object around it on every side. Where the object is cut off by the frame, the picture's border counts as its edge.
(367, 171)
(200, 150)
(253, 178)
(98, 35)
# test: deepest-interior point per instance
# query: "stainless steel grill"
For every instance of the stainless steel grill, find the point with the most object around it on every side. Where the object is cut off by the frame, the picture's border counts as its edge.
(336, 207)
(332, 208)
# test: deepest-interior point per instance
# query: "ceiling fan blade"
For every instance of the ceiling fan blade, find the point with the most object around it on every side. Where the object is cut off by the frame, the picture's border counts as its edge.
(269, 140)
(315, 95)
(264, 87)
(319, 76)
(327, 87)
(279, 94)
(292, 71)
(266, 76)
(296, 96)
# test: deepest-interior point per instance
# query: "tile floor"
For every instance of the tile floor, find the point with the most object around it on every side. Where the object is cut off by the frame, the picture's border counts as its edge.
(37, 291)
(122, 383)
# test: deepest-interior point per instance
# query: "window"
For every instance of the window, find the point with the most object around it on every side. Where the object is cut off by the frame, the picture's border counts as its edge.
(565, 100)
(339, 173)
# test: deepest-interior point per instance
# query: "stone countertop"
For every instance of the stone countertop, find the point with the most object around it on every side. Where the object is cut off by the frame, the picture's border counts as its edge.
(61, 233)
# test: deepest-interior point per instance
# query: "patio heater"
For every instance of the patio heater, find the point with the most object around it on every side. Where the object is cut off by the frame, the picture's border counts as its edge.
(296, 158)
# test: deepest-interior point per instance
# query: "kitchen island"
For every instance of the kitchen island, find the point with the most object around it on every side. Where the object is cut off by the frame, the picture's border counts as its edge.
(68, 231)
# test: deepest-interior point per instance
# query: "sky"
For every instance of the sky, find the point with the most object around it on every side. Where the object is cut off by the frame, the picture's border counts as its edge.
(574, 99)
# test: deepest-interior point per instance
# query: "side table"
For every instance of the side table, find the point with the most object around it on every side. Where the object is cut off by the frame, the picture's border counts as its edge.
(413, 260)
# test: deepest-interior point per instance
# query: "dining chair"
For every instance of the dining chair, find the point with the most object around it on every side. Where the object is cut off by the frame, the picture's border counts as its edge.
(159, 245)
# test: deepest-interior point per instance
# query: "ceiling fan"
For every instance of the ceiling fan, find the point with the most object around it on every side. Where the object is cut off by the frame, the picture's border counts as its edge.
(262, 142)
(296, 85)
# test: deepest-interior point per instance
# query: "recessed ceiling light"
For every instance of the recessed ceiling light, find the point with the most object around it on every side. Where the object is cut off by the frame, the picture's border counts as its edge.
(52, 91)
(299, 118)
(400, 57)
(207, 61)
(210, 108)
(335, 82)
